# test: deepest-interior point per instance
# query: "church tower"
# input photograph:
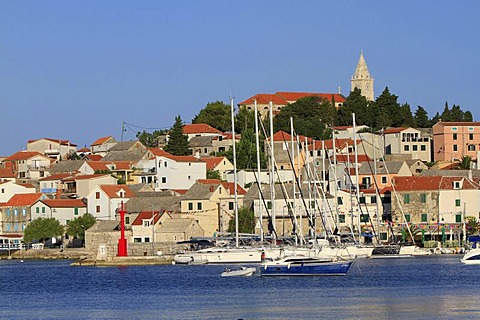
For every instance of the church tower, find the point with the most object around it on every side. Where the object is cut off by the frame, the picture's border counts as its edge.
(362, 80)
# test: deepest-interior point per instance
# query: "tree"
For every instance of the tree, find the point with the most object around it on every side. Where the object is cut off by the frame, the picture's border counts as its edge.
(42, 228)
(77, 227)
(150, 140)
(216, 114)
(213, 174)
(178, 142)
(247, 151)
(465, 163)
(246, 221)
(386, 111)
(421, 118)
(354, 103)
(407, 117)
(473, 226)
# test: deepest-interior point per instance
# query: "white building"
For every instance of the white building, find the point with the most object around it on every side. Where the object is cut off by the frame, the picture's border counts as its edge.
(104, 201)
(9, 188)
(52, 148)
(64, 210)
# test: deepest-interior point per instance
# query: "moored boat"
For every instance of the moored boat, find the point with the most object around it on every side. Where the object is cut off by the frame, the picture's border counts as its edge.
(472, 256)
(305, 266)
(242, 272)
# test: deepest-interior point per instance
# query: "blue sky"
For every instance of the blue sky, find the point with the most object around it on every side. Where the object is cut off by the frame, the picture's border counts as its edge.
(76, 69)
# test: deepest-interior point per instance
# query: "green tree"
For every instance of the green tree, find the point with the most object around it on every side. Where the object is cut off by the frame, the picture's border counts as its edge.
(386, 111)
(213, 174)
(150, 140)
(421, 118)
(216, 114)
(41, 229)
(77, 227)
(311, 116)
(246, 221)
(177, 142)
(473, 226)
(247, 151)
(465, 163)
(407, 117)
(354, 103)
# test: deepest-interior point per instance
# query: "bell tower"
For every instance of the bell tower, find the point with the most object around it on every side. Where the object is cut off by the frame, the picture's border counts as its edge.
(362, 80)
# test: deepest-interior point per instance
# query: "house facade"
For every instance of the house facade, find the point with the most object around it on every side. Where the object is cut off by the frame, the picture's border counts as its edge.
(16, 213)
(102, 145)
(80, 186)
(28, 165)
(453, 140)
(53, 148)
(64, 210)
(104, 201)
(9, 188)
(410, 142)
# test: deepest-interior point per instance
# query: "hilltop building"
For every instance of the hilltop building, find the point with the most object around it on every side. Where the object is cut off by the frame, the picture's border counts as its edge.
(362, 80)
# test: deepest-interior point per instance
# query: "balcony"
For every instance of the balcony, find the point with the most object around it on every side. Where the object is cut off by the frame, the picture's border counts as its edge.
(38, 168)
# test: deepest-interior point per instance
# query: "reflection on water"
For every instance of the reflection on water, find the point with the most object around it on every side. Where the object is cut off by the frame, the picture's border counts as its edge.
(434, 287)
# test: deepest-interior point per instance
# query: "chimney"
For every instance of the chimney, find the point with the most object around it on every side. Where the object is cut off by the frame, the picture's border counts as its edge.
(211, 188)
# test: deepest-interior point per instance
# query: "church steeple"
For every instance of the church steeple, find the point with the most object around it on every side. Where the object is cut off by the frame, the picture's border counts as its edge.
(362, 80)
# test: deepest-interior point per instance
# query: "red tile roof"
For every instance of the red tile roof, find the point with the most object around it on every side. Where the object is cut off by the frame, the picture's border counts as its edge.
(457, 124)
(342, 158)
(265, 98)
(6, 173)
(283, 136)
(419, 183)
(23, 200)
(23, 155)
(212, 162)
(94, 157)
(86, 177)
(294, 96)
(83, 150)
(146, 215)
(199, 128)
(227, 185)
(162, 153)
(100, 141)
(64, 203)
(339, 143)
(27, 185)
(394, 130)
(53, 177)
(112, 190)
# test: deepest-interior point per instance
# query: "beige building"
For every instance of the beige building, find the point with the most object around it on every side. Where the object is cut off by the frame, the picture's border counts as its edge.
(362, 80)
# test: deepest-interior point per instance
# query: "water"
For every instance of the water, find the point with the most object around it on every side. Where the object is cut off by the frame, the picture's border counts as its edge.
(434, 287)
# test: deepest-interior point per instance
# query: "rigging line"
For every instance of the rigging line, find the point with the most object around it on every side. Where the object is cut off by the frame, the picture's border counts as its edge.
(145, 128)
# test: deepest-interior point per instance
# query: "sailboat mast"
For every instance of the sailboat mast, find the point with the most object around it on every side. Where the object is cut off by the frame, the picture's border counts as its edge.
(234, 172)
(272, 174)
(356, 177)
(257, 143)
(293, 161)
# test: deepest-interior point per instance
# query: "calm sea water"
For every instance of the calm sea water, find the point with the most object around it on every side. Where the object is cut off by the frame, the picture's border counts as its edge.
(434, 287)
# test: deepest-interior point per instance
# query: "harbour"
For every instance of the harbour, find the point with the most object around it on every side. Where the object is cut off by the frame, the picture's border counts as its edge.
(427, 287)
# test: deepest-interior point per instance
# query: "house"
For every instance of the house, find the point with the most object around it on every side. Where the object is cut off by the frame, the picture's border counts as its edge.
(220, 164)
(208, 145)
(103, 201)
(64, 210)
(102, 145)
(52, 184)
(409, 142)
(169, 172)
(379, 174)
(431, 203)
(28, 165)
(66, 166)
(279, 100)
(9, 188)
(284, 154)
(52, 148)
(122, 170)
(200, 130)
(16, 212)
(80, 186)
(211, 202)
(126, 151)
(453, 140)
(246, 177)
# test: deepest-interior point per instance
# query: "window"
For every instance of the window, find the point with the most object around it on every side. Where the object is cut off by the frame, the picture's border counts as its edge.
(383, 236)
(455, 147)
(230, 206)
(3, 190)
(339, 200)
(43, 209)
(364, 218)
(165, 164)
(190, 206)
(407, 217)
(414, 147)
(199, 206)
(406, 198)
(457, 202)
(470, 136)
(269, 205)
(423, 198)
(341, 218)
(75, 211)
(423, 147)
(147, 239)
(454, 128)
(424, 217)
(458, 218)
(406, 147)
(15, 226)
(137, 239)
(24, 212)
(15, 212)
(98, 209)
(455, 136)
(362, 199)
(471, 147)
(456, 185)
(37, 210)
(8, 212)
(164, 179)
(97, 195)
(146, 223)
(373, 199)
(127, 220)
(384, 180)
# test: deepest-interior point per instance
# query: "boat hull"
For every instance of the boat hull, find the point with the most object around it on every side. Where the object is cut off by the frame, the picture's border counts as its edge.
(336, 268)
(471, 257)
(243, 272)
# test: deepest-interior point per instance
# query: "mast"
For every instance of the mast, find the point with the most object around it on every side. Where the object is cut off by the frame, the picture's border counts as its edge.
(335, 193)
(257, 143)
(234, 172)
(377, 196)
(300, 224)
(356, 177)
(272, 173)
(293, 161)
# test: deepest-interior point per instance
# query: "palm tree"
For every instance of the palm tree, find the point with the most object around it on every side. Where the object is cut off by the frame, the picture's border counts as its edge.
(465, 163)
(473, 226)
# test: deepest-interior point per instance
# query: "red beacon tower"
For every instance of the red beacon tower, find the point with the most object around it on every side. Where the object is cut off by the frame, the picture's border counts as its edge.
(122, 242)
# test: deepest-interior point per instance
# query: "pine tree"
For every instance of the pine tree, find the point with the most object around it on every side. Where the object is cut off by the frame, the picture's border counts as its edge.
(178, 142)
(421, 118)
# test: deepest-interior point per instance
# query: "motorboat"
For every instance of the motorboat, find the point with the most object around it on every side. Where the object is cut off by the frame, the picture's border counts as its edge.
(305, 266)
(472, 256)
(242, 272)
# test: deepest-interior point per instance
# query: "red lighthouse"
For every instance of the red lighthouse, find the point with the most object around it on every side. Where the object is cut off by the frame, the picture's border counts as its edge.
(122, 242)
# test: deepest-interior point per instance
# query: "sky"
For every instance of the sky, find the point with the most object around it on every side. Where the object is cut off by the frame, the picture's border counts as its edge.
(77, 70)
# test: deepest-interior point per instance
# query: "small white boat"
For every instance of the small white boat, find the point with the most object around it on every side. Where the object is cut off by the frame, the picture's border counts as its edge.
(242, 272)
(472, 256)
